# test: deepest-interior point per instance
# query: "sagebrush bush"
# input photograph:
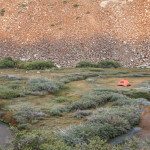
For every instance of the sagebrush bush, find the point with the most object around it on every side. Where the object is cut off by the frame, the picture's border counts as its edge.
(39, 140)
(107, 123)
(12, 77)
(43, 140)
(137, 94)
(7, 63)
(82, 113)
(57, 111)
(91, 100)
(76, 77)
(95, 144)
(86, 64)
(99, 97)
(38, 65)
(28, 140)
(109, 64)
(43, 84)
(28, 115)
(8, 93)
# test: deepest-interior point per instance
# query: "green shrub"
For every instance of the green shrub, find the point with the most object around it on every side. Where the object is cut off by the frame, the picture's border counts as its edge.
(109, 64)
(85, 64)
(7, 63)
(38, 65)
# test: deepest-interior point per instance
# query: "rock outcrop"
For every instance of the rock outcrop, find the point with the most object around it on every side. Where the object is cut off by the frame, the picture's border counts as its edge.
(68, 31)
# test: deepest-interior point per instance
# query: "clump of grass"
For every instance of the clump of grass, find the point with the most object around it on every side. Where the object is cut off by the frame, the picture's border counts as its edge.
(109, 64)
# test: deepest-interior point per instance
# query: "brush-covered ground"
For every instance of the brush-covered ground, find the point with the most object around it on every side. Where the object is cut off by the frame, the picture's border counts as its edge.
(72, 109)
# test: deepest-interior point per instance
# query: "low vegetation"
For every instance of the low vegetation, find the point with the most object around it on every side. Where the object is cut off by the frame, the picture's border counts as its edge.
(101, 64)
(69, 109)
(38, 65)
(109, 64)
(106, 123)
(28, 65)
(43, 85)
(7, 63)
(85, 64)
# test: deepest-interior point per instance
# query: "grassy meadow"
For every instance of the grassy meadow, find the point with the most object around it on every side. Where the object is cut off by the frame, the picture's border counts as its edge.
(72, 108)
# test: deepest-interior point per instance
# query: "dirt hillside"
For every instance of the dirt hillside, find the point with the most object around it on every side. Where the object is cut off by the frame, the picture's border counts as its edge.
(68, 31)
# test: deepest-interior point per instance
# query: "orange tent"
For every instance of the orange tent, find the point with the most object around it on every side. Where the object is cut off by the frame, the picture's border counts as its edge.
(124, 82)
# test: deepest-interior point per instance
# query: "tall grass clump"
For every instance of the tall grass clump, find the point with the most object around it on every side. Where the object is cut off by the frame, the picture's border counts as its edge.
(109, 64)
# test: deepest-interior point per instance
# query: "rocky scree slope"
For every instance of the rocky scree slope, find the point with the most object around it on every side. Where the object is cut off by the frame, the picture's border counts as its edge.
(68, 31)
